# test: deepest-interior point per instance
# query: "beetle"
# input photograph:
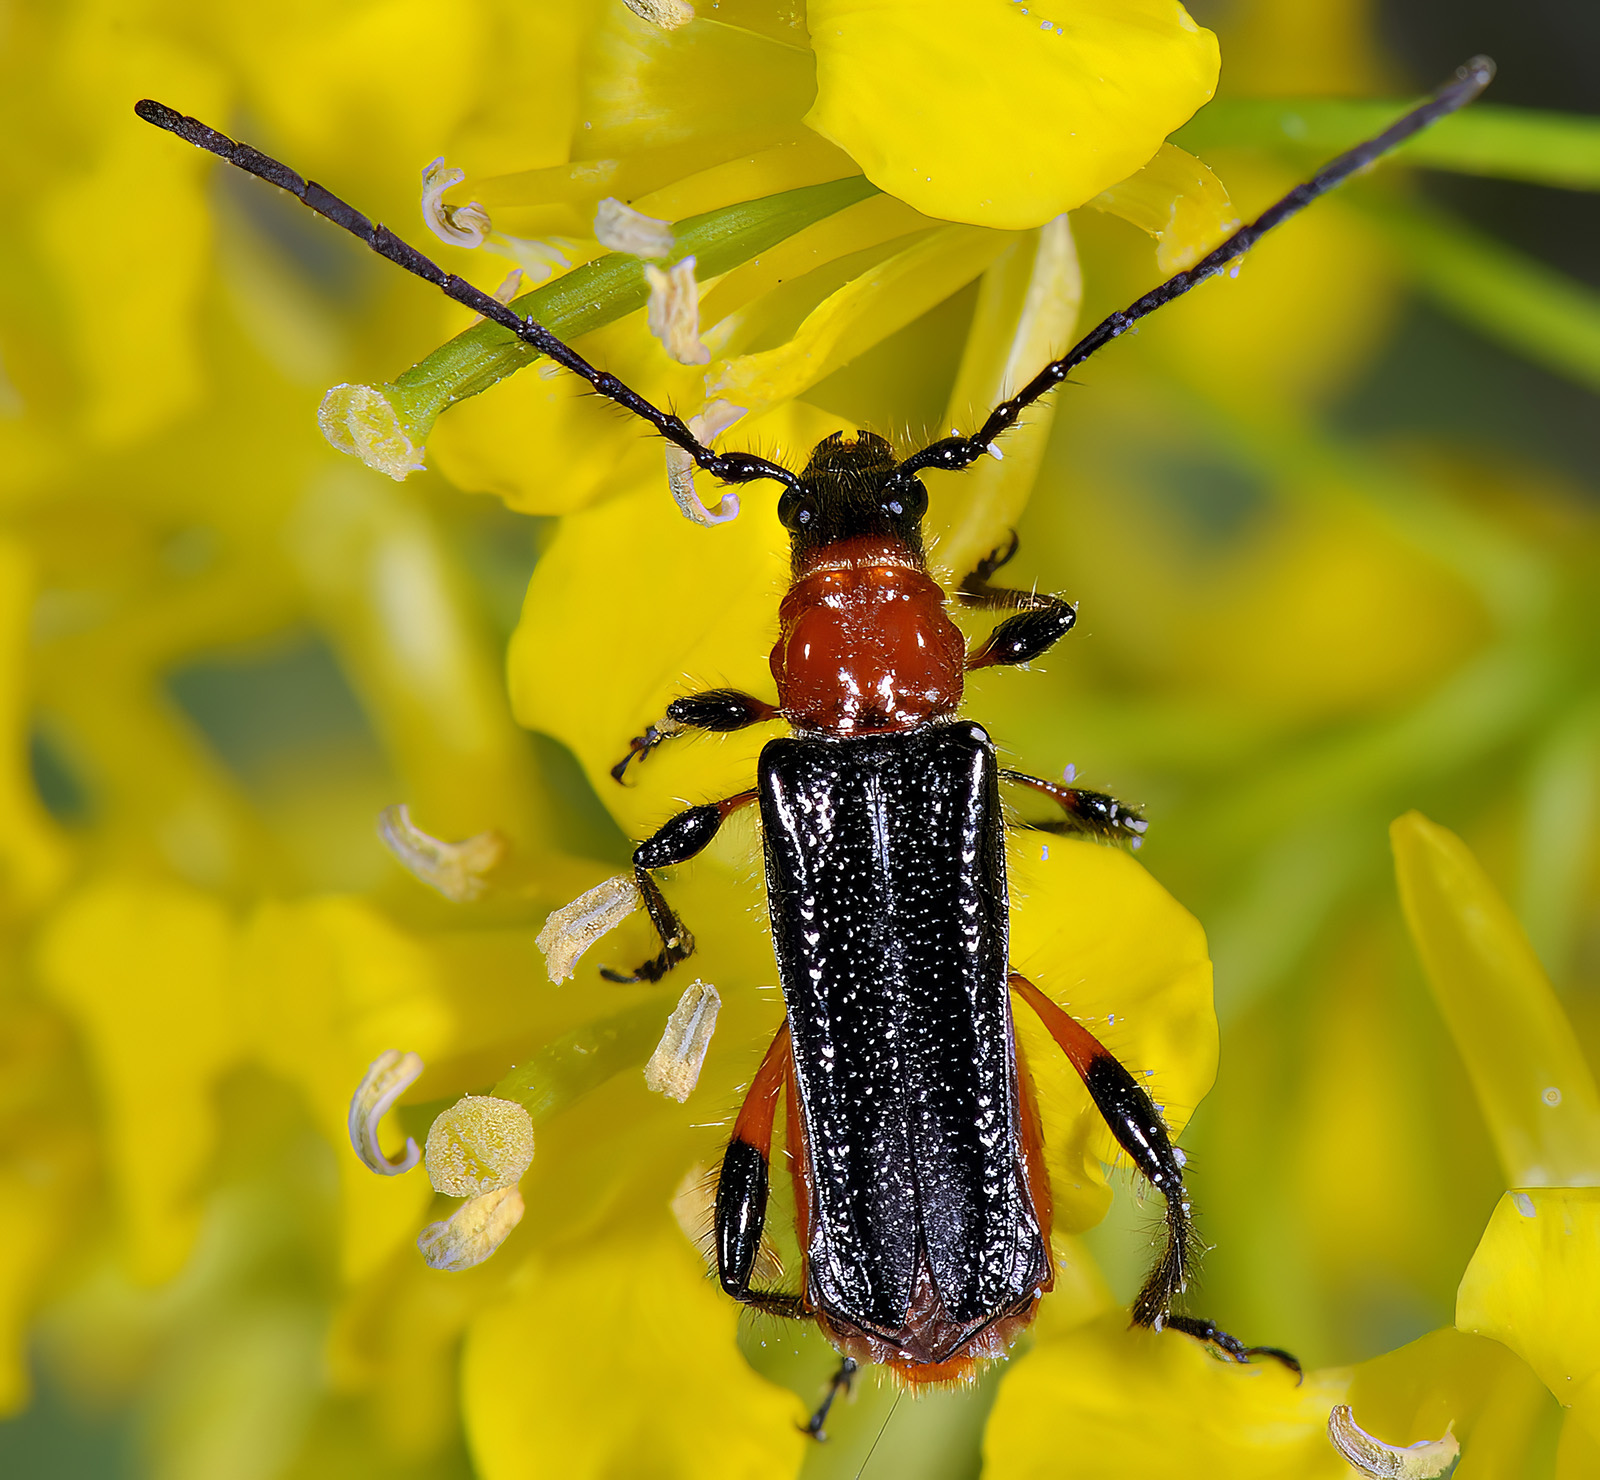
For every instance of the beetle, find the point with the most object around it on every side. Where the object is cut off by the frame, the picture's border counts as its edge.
(922, 1202)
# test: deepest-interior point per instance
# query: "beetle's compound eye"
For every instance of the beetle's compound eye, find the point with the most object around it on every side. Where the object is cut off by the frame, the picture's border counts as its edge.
(797, 510)
(904, 499)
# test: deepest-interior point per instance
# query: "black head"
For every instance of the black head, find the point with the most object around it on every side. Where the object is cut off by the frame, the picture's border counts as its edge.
(849, 489)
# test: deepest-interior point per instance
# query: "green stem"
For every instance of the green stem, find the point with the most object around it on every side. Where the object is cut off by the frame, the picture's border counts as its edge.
(1532, 309)
(602, 291)
(562, 1072)
(1510, 143)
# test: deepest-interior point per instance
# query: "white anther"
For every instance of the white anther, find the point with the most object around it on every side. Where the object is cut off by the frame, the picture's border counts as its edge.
(571, 930)
(674, 311)
(1070, 774)
(622, 229)
(668, 14)
(674, 1068)
(392, 1073)
(456, 870)
(706, 426)
(538, 257)
(508, 289)
(473, 1232)
(994, 451)
(1372, 1456)
(461, 226)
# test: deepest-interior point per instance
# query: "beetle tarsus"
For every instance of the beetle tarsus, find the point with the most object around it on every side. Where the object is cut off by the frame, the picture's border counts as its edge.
(842, 1381)
(721, 711)
(1229, 1347)
(639, 749)
(1095, 813)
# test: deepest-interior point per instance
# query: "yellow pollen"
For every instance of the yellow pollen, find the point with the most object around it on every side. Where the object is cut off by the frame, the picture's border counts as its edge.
(480, 1144)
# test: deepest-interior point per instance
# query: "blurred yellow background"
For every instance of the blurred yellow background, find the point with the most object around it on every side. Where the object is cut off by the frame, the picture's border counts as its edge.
(1331, 523)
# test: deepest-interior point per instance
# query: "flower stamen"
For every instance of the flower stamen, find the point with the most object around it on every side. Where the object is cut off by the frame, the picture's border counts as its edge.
(460, 226)
(674, 1068)
(571, 930)
(391, 1074)
(473, 1232)
(674, 311)
(480, 1144)
(456, 870)
(1371, 1456)
(707, 425)
(668, 14)
(620, 228)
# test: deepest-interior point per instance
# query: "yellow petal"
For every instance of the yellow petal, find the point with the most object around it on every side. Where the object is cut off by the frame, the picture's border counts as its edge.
(326, 987)
(33, 854)
(552, 1376)
(1093, 930)
(1449, 1380)
(1128, 1403)
(713, 595)
(1027, 309)
(1534, 1284)
(1005, 114)
(142, 968)
(859, 315)
(1179, 202)
(1533, 1085)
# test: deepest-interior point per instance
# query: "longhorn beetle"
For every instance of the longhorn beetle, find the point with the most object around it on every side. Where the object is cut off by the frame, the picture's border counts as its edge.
(922, 1201)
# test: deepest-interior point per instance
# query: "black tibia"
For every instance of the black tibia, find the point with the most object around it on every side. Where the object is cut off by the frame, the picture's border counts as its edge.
(1132, 1117)
(841, 1382)
(1042, 620)
(677, 842)
(954, 453)
(741, 1214)
(1136, 1123)
(730, 467)
(1091, 812)
(719, 710)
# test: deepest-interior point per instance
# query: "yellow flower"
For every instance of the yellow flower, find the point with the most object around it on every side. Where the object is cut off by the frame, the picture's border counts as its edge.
(1005, 115)
(225, 649)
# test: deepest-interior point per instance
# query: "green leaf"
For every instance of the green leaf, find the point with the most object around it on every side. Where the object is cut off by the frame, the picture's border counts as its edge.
(1505, 294)
(1509, 143)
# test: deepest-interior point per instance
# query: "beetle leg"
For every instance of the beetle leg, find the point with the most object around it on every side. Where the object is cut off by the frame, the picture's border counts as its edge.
(676, 842)
(742, 1184)
(841, 1382)
(1136, 1123)
(1041, 619)
(719, 710)
(1091, 812)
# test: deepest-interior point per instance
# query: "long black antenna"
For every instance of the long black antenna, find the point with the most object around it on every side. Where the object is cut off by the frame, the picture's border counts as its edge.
(730, 467)
(957, 452)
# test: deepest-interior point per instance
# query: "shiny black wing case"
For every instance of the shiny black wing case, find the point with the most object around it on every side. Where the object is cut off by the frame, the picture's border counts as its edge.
(887, 886)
